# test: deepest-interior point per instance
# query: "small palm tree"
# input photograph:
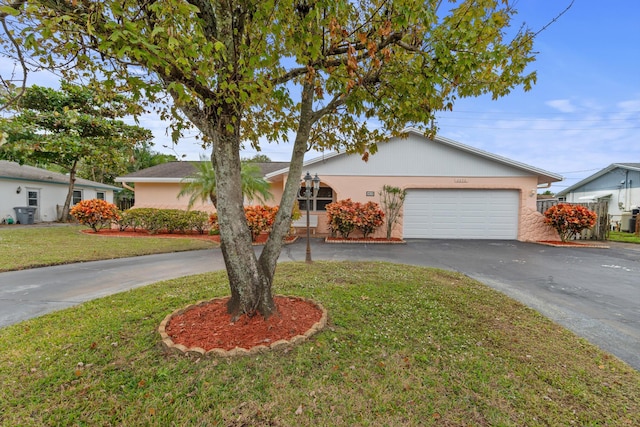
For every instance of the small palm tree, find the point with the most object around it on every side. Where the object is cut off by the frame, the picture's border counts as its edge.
(202, 184)
(254, 186)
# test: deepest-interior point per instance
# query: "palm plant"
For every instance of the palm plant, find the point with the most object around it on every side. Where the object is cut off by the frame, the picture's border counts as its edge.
(202, 184)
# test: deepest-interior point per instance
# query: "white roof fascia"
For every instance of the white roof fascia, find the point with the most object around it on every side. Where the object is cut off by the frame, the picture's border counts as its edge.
(307, 163)
(150, 179)
(594, 197)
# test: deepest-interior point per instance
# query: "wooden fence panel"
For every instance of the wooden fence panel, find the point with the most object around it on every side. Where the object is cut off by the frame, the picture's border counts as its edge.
(125, 204)
(600, 231)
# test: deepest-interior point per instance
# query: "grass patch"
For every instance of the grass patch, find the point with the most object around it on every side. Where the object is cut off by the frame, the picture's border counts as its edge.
(621, 236)
(405, 346)
(22, 248)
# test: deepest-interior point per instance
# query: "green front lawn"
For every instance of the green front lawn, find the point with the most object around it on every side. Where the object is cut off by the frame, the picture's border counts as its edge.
(405, 346)
(28, 247)
(620, 236)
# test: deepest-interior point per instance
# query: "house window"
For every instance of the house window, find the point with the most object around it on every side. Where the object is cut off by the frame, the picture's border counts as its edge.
(318, 203)
(100, 195)
(32, 198)
(77, 196)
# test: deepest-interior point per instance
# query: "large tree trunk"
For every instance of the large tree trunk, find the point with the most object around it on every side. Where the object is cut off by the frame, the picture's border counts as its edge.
(250, 287)
(250, 280)
(67, 202)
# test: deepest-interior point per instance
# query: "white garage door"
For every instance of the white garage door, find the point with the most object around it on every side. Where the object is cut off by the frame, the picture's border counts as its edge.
(461, 214)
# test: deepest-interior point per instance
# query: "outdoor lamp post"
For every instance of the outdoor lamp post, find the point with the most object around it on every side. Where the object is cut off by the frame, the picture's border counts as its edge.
(310, 184)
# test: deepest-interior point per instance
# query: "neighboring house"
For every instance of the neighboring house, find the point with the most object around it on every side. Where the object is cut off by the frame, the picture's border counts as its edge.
(46, 191)
(619, 183)
(454, 190)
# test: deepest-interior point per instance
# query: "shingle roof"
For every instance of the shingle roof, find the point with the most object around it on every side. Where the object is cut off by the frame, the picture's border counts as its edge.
(176, 171)
(15, 171)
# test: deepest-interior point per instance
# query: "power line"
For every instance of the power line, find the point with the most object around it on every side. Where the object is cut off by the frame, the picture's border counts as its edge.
(539, 119)
(541, 129)
(539, 113)
(586, 170)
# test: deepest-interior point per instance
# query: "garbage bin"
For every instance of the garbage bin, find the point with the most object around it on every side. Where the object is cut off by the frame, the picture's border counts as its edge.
(634, 220)
(25, 214)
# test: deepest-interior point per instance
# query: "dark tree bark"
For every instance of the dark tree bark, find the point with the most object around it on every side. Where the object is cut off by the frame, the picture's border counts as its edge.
(250, 286)
(67, 202)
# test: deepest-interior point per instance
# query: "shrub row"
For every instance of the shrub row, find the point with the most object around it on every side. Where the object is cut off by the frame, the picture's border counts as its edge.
(99, 213)
(163, 220)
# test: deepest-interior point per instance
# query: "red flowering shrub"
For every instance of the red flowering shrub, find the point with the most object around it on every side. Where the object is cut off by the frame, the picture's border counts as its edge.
(95, 213)
(259, 218)
(370, 217)
(344, 216)
(569, 220)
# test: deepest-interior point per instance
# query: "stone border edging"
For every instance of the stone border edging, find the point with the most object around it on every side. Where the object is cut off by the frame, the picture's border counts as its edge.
(578, 245)
(169, 346)
(365, 242)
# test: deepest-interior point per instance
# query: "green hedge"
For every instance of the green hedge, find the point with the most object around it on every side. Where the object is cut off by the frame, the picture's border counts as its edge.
(163, 220)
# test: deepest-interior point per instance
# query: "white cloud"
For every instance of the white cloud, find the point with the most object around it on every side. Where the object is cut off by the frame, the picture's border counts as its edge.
(562, 105)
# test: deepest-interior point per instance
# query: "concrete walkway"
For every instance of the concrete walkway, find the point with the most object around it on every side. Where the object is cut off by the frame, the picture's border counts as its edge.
(593, 292)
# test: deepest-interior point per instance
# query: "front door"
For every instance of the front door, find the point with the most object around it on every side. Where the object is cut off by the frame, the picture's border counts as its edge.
(33, 201)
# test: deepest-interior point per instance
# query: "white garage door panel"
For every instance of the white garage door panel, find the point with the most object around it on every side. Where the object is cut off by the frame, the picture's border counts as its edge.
(461, 214)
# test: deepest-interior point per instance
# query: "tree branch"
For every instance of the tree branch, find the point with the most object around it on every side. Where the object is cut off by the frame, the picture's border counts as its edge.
(337, 101)
(16, 4)
(324, 63)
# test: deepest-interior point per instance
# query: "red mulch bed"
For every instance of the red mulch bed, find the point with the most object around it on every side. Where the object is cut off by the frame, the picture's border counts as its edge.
(192, 235)
(363, 240)
(209, 326)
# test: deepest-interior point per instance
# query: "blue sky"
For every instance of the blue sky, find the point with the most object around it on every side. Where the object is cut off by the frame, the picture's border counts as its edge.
(584, 112)
(582, 115)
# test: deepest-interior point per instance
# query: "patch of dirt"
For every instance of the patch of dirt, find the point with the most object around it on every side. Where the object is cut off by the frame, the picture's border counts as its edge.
(260, 240)
(209, 326)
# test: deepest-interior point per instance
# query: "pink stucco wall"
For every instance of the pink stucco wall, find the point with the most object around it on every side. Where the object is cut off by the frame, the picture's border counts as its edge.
(165, 196)
(530, 222)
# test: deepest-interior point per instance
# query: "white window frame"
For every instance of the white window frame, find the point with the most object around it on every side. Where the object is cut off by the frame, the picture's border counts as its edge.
(317, 203)
(74, 199)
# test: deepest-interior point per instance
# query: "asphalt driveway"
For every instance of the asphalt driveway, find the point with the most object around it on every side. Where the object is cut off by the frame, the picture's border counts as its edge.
(593, 292)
